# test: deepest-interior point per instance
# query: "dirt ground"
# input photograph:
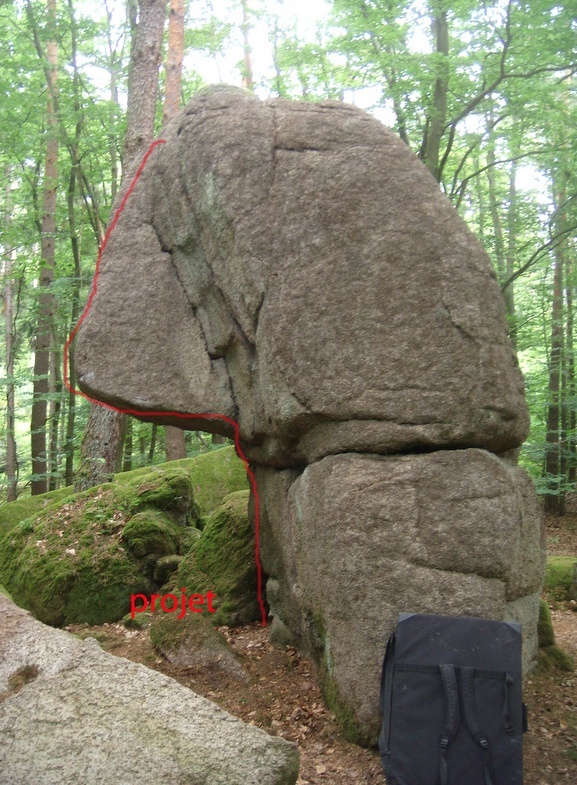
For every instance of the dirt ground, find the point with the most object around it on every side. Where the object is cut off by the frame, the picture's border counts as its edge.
(280, 695)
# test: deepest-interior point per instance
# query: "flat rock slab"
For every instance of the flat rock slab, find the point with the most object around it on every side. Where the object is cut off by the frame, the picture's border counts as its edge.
(71, 713)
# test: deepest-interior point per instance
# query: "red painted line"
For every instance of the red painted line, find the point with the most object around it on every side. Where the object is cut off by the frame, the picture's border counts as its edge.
(232, 423)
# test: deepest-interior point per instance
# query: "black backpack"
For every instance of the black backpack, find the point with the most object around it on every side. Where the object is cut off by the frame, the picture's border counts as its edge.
(451, 702)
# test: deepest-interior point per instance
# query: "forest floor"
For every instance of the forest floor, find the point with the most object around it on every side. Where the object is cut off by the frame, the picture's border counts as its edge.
(280, 694)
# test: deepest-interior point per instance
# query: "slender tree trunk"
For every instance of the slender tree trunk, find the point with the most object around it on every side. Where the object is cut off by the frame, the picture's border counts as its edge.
(103, 436)
(496, 217)
(127, 461)
(54, 409)
(509, 293)
(145, 61)
(554, 498)
(570, 424)
(175, 444)
(438, 116)
(8, 302)
(174, 58)
(99, 448)
(113, 64)
(74, 316)
(247, 76)
(152, 443)
(174, 437)
(44, 338)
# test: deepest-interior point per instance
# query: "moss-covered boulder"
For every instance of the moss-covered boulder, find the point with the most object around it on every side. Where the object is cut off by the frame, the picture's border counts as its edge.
(214, 475)
(151, 531)
(78, 557)
(80, 561)
(223, 561)
(193, 642)
(559, 577)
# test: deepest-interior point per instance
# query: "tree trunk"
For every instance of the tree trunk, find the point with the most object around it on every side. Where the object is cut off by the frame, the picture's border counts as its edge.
(8, 302)
(113, 65)
(145, 61)
(554, 498)
(247, 76)
(174, 58)
(44, 338)
(74, 316)
(103, 436)
(437, 119)
(570, 415)
(509, 293)
(99, 448)
(175, 444)
(174, 437)
(152, 443)
(127, 461)
(54, 409)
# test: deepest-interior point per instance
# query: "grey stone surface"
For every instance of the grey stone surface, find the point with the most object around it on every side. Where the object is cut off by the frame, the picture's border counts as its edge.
(88, 717)
(295, 267)
(368, 537)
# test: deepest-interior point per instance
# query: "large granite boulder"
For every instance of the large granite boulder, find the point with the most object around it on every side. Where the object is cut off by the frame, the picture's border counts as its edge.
(70, 713)
(293, 267)
(354, 539)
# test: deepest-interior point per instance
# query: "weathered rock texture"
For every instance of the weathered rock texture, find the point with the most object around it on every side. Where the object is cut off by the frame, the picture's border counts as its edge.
(294, 267)
(71, 713)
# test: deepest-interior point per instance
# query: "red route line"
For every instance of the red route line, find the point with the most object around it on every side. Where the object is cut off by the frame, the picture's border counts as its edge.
(136, 412)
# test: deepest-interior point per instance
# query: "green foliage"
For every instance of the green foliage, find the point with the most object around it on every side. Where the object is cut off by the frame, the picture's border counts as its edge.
(511, 115)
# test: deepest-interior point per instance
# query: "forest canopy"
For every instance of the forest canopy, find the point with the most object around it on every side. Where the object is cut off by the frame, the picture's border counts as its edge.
(483, 93)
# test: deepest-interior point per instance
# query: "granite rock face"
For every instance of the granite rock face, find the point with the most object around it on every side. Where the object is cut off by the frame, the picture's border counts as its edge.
(293, 267)
(71, 713)
(363, 537)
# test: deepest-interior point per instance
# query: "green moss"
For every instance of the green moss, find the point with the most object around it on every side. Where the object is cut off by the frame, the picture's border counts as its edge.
(72, 563)
(165, 567)
(553, 658)
(188, 539)
(545, 633)
(168, 489)
(78, 558)
(11, 513)
(4, 592)
(214, 475)
(151, 531)
(101, 591)
(223, 561)
(344, 715)
(559, 576)
(193, 635)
